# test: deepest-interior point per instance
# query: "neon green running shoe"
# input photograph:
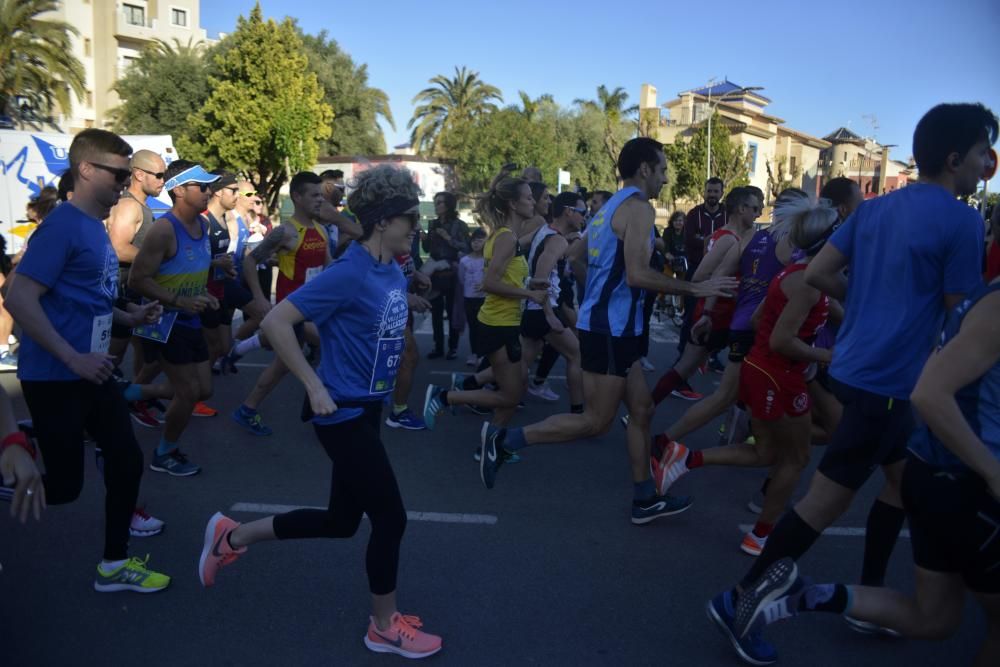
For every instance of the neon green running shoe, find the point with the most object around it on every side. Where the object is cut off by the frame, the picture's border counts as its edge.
(132, 575)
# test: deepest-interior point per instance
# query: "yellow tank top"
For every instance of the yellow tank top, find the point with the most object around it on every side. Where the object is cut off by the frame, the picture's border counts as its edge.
(502, 311)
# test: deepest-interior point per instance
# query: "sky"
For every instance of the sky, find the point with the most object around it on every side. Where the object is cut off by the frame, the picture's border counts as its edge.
(823, 65)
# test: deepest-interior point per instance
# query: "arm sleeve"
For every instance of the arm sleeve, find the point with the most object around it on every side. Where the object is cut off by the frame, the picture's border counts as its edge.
(48, 252)
(965, 256)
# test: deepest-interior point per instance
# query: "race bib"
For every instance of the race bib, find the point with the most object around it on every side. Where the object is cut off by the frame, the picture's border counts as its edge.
(313, 272)
(100, 333)
(388, 355)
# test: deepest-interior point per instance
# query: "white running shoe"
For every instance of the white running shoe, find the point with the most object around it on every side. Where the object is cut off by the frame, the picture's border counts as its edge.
(542, 391)
(647, 365)
(144, 525)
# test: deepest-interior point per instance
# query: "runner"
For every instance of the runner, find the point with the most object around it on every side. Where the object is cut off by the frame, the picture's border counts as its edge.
(772, 376)
(618, 245)
(62, 295)
(932, 244)
(361, 332)
(951, 493)
(172, 267)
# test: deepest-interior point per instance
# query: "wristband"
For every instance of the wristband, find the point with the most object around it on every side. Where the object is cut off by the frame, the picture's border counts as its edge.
(20, 439)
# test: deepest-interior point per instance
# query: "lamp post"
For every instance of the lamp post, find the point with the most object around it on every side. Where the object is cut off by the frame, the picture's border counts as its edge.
(711, 112)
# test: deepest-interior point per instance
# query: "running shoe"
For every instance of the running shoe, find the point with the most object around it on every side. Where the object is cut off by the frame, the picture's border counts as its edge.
(678, 320)
(752, 648)
(756, 504)
(670, 467)
(158, 410)
(715, 365)
(403, 637)
(144, 525)
(647, 365)
(625, 419)
(458, 382)
(867, 628)
(752, 544)
(8, 361)
(542, 391)
(174, 463)
(651, 509)
(492, 455)
(479, 410)
(141, 414)
(687, 394)
(132, 575)
(217, 366)
(405, 420)
(432, 404)
(777, 579)
(435, 354)
(511, 457)
(202, 410)
(251, 421)
(452, 354)
(472, 360)
(216, 551)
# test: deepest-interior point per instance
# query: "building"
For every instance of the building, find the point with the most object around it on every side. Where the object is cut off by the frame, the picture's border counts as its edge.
(865, 161)
(767, 142)
(111, 35)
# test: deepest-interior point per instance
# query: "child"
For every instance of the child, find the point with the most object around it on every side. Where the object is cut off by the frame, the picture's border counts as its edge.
(470, 276)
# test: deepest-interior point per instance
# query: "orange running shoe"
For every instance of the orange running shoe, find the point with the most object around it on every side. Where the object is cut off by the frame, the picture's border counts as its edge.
(752, 544)
(402, 638)
(216, 552)
(671, 467)
(202, 410)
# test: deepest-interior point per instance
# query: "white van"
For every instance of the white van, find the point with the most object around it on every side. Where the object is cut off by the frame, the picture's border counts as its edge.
(31, 160)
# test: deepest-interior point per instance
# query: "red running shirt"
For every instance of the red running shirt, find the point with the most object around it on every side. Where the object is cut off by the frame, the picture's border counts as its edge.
(774, 304)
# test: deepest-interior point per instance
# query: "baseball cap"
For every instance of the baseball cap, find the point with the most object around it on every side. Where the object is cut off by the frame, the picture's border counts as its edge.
(226, 179)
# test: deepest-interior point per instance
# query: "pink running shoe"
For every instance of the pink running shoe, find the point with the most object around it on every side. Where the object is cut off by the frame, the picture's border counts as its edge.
(402, 638)
(216, 551)
(671, 467)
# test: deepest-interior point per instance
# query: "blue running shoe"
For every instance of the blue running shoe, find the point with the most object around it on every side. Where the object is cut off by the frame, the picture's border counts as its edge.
(491, 453)
(457, 381)
(753, 648)
(651, 509)
(510, 457)
(174, 463)
(432, 404)
(251, 421)
(405, 420)
(777, 579)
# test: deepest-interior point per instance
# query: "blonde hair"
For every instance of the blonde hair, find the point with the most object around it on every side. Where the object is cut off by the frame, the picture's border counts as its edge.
(809, 222)
(493, 206)
(379, 183)
(784, 206)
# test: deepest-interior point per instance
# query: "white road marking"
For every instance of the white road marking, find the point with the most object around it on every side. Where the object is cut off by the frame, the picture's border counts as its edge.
(434, 517)
(551, 377)
(836, 531)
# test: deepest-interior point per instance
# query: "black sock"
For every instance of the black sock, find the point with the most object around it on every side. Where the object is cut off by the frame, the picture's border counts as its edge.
(576, 409)
(831, 598)
(444, 397)
(792, 537)
(469, 383)
(881, 533)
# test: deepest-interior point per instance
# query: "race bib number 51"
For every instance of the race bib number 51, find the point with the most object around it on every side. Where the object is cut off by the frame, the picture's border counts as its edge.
(100, 333)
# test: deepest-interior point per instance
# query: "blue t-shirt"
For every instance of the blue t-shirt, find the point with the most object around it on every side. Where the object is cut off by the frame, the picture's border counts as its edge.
(71, 255)
(359, 306)
(906, 250)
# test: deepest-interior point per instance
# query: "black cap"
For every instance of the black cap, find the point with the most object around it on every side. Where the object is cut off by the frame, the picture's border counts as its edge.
(226, 178)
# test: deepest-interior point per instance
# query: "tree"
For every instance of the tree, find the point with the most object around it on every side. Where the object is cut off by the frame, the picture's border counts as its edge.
(687, 160)
(611, 104)
(265, 116)
(530, 107)
(161, 88)
(356, 106)
(780, 177)
(449, 104)
(36, 58)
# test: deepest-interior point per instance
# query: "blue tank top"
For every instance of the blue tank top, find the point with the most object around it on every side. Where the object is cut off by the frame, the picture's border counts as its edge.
(979, 401)
(609, 305)
(186, 273)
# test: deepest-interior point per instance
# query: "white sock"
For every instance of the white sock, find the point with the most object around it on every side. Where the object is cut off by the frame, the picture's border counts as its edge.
(4, 348)
(247, 346)
(111, 565)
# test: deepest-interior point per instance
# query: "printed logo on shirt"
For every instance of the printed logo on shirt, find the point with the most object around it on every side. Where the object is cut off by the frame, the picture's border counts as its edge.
(394, 314)
(109, 274)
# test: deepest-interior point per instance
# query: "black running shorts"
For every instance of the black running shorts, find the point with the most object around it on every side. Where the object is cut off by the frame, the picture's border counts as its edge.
(186, 345)
(604, 354)
(954, 524)
(491, 339)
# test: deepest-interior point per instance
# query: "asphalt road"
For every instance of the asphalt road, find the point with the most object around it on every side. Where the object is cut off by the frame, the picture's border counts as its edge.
(543, 570)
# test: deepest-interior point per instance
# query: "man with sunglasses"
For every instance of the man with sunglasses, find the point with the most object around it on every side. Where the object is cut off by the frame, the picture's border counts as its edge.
(172, 267)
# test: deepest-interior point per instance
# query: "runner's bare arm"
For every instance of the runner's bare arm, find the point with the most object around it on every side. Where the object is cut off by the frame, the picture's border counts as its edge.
(279, 325)
(260, 255)
(965, 359)
(349, 229)
(826, 272)
(728, 266)
(555, 249)
(784, 336)
(122, 224)
(157, 245)
(23, 304)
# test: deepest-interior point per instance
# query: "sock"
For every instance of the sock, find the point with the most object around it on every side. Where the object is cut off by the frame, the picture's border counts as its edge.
(762, 529)
(644, 490)
(576, 409)
(4, 348)
(443, 396)
(831, 598)
(881, 533)
(671, 380)
(695, 459)
(791, 537)
(469, 383)
(514, 440)
(133, 393)
(108, 566)
(247, 346)
(397, 408)
(165, 447)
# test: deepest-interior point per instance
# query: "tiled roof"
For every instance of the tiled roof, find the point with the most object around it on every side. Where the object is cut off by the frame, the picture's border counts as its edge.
(842, 134)
(724, 88)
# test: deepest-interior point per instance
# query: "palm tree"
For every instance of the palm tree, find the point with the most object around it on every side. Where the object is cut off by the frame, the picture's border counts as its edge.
(450, 102)
(36, 57)
(610, 104)
(530, 107)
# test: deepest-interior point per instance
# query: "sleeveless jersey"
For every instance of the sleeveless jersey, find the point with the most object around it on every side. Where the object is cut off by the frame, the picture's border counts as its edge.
(137, 239)
(502, 311)
(186, 273)
(298, 266)
(761, 353)
(722, 315)
(543, 234)
(759, 264)
(978, 401)
(609, 305)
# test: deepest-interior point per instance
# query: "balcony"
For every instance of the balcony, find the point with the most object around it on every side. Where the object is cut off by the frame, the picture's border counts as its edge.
(129, 26)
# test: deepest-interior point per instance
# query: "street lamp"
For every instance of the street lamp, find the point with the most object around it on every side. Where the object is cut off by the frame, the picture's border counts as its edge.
(711, 112)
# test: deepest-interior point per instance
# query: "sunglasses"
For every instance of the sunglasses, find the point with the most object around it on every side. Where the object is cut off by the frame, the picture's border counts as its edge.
(233, 190)
(158, 175)
(201, 186)
(121, 175)
(581, 211)
(252, 193)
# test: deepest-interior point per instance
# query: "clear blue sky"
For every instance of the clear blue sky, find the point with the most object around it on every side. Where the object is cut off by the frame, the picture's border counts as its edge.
(823, 65)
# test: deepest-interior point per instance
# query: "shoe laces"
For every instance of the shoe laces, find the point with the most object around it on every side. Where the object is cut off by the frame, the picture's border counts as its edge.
(178, 456)
(136, 563)
(407, 626)
(141, 513)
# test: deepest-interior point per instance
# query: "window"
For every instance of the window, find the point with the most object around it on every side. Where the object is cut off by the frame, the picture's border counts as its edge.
(87, 48)
(752, 158)
(134, 15)
(90, 99)
(179, 17)
(792, 163)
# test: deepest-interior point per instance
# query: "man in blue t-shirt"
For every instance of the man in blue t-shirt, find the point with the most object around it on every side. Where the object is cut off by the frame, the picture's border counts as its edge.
(910, 256)
(63, 296)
